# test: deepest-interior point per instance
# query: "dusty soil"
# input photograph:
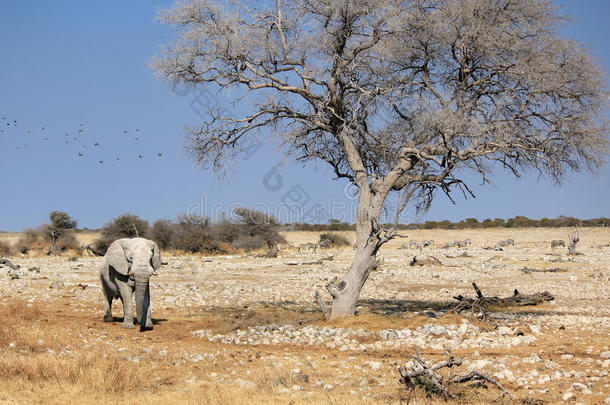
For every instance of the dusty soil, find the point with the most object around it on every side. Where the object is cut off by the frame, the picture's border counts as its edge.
(241, 329)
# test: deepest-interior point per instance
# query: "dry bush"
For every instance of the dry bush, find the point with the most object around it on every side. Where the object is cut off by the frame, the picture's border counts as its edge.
(67, 241)
(123, 226)
(6, 249)
(31, 240)
(256, 224)
(335, 239)
(162, 232)
(252, 230)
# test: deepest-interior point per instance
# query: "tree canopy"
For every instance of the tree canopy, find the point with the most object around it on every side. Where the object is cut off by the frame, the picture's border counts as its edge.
(394, 95)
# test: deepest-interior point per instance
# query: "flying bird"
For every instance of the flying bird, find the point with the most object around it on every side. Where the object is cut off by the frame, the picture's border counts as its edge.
(80, 155)
(96, 144)
(125, 131)
(159, 154)
(137, 139)
(140, 156)
(101, 162)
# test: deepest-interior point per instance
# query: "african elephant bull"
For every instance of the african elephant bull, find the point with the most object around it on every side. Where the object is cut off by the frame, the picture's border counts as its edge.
(127, 267)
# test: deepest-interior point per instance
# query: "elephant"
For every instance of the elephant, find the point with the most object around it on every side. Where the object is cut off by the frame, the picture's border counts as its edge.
(127, 267)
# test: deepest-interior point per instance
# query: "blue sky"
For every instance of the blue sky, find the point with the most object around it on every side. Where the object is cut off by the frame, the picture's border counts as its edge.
(66, 63)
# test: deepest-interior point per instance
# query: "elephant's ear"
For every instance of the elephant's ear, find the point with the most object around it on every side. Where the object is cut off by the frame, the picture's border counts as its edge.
(156, 257)
(115, 257)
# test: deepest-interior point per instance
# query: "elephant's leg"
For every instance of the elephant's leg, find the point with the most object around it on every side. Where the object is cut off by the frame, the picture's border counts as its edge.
(108, 295)
(147, 323)
(126, 292)
(110, 292)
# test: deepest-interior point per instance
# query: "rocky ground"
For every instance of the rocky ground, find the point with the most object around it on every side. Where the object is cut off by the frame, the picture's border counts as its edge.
(235, 327)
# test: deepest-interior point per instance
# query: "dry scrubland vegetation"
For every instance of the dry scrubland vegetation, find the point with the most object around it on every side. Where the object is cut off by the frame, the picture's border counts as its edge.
(235, 328)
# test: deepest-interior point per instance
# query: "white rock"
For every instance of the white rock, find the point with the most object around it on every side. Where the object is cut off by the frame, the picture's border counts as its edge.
(567, 356)
(567, 396)
(605, 355)
(297, 388)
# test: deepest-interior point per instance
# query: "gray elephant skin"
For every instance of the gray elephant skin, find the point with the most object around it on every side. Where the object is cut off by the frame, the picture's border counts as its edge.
(126, 268)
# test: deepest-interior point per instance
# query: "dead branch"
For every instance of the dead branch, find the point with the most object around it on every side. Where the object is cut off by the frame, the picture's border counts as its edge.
(8, 263)
(573, 239)
(516, 300)
(89, 249)
(425, 261)
(429, 378)
(311, 262)
(527, 270)
(475, 375)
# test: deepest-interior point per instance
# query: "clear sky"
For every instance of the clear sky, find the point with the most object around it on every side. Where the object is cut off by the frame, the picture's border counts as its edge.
(66, 63)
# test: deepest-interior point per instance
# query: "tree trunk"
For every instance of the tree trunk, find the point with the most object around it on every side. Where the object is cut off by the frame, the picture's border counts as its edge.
(346, 291)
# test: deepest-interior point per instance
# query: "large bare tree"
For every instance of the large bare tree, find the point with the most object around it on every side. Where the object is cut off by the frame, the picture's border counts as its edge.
(397, 96)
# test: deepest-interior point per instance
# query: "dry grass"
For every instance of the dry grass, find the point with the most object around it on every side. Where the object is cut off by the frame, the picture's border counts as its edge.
(91, 369)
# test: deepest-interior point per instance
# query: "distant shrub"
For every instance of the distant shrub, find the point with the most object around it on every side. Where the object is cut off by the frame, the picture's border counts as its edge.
(162, 232)
(67, 241)
(255, 225)
(123, 226)
(31, 239)
(337, 225)
(190, 233)
(6, 249)
(225, 231)
(334, 239)
(59, 232)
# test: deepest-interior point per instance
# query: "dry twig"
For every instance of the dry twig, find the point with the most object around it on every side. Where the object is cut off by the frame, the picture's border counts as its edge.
(428, 376)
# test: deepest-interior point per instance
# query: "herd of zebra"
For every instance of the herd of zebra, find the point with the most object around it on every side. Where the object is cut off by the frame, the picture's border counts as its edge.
(413, 244)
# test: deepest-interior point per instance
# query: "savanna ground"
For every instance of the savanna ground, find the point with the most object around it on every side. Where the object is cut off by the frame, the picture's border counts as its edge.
(242, 329)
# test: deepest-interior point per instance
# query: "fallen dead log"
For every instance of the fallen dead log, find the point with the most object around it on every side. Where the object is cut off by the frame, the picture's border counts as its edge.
(428, 376)
(8, 263)
(92, 251)
(305, 263)
(425, 261)
(527, 270)
(516, 300)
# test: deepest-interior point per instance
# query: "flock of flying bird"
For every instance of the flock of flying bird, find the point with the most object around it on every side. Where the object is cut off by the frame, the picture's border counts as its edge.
(8, 127)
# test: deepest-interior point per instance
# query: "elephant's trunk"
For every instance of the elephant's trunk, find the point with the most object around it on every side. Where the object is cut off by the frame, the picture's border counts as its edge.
(142, 297)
